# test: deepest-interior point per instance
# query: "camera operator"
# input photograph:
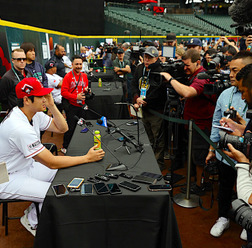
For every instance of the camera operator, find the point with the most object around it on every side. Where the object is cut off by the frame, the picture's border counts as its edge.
(149, 93)
(229, 98)
(244, 177)
(198, 106)
(107, 56)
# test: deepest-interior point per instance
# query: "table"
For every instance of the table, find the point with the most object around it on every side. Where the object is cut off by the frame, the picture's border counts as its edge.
(130, 220)
(103, 102)
(105, 77)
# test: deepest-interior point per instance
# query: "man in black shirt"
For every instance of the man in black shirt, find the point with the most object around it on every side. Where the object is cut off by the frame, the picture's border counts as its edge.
(149, 93)
(58, 59)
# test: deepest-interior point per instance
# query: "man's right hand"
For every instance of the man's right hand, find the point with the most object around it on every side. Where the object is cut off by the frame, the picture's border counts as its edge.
(238, 129)
(95, 155)
(210, 156)
(81, 96)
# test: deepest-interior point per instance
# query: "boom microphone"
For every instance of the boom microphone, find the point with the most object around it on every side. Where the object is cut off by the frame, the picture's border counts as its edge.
(241, 11)
(117, 166)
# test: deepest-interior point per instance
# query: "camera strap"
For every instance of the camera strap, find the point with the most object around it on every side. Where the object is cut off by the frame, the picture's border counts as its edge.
(77, 83)
(212, 193)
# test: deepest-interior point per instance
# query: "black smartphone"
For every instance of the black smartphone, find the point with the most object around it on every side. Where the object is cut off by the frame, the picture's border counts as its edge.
(111, 175)
(152, 175)
(101, 177)
(60, 190)
(129, 186)
(162, 187)
(128, 176)
(86, 189)
(144, 179)
(101, 188)
(93, 180)
(114, 189)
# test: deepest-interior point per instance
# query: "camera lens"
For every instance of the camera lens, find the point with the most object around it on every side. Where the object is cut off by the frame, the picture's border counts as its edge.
(226, 138)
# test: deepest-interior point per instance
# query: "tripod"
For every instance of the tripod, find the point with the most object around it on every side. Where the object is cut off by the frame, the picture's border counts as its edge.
(124, 145)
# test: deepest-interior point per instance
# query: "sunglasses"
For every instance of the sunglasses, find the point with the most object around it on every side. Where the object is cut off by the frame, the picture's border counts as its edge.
(19, 59)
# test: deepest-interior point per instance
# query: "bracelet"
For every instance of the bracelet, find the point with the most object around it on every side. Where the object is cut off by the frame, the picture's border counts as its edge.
(211, 150)
(169, 81)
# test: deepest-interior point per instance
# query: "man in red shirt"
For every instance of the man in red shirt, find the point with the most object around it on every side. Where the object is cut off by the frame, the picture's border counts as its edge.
(74, 87)
(198, 106)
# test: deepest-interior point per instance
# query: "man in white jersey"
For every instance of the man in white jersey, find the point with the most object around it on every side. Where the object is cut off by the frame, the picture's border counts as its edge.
(55, 82)
(30, 165)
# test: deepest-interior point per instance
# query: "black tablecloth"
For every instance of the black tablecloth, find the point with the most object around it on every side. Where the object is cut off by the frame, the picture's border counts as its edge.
(140, 219)
(105, 77)
(103, 102)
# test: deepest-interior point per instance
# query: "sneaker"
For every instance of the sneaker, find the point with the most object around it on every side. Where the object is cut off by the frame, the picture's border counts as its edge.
(63, 150)
(243, 235)
(219, 227)
(25, 222)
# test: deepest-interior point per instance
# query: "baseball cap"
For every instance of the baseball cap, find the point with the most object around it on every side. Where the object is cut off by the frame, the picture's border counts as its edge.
(83, 55)
(31, 87)
(170, 37)
(50, 64)
(194, 42)
(152, 51)
(120, 50)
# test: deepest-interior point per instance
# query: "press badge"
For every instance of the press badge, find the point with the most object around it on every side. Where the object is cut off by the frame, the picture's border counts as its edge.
(143, 93)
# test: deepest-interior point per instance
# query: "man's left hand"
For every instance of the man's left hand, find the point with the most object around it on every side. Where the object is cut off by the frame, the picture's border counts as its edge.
(236, 155)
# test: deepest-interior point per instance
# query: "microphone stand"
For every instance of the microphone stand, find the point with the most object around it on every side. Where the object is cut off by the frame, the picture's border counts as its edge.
(116, 166)
(138, 129)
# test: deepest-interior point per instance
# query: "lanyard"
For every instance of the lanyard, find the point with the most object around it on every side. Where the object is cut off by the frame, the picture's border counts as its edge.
(76, 87)
(230, 102)
(16, 75)
(147, 78)
(121, 64)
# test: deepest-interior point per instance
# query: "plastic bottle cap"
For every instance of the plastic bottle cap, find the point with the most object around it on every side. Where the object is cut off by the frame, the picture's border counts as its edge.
(97, 132)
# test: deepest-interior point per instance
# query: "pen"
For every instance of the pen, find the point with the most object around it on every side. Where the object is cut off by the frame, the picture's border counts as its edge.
(227, 118)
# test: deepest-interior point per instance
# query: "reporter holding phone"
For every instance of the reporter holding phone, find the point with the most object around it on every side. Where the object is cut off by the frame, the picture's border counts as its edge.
(30, 165)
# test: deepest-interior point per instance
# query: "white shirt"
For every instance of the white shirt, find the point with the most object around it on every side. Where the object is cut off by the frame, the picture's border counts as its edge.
(68, 62)
(19, 140)
(53, 82)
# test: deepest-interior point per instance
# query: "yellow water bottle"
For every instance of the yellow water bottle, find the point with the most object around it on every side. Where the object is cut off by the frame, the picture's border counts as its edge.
(104, 69)
(99, 82)
(97, 139)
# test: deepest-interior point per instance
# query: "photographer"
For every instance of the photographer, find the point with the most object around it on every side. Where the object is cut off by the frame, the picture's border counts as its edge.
(198, 106)
(244, 182)
(149, 93)
(224, 41)
(228, 99)
(73, 91)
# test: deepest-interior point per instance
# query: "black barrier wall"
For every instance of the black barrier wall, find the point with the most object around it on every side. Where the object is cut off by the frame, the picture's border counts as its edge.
(79, 17)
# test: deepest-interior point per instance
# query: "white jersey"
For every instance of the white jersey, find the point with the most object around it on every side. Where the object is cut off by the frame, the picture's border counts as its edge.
(53, 82)
(20, 140)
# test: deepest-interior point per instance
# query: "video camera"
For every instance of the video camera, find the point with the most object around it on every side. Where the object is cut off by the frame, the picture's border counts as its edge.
(221, 82)
(218, 59)
(108, 48)
(244, 30)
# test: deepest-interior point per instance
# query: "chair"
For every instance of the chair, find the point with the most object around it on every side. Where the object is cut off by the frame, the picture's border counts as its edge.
(5, 216)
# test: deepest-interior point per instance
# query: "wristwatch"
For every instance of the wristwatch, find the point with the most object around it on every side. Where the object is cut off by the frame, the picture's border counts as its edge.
(169, 81)
(211, 150)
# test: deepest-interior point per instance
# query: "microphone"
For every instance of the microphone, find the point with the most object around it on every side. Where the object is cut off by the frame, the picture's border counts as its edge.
(103, 122)
(116, 166)
(138, 131)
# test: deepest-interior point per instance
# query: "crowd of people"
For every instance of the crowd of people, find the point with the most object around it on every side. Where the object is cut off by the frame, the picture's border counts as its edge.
(148, 82)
